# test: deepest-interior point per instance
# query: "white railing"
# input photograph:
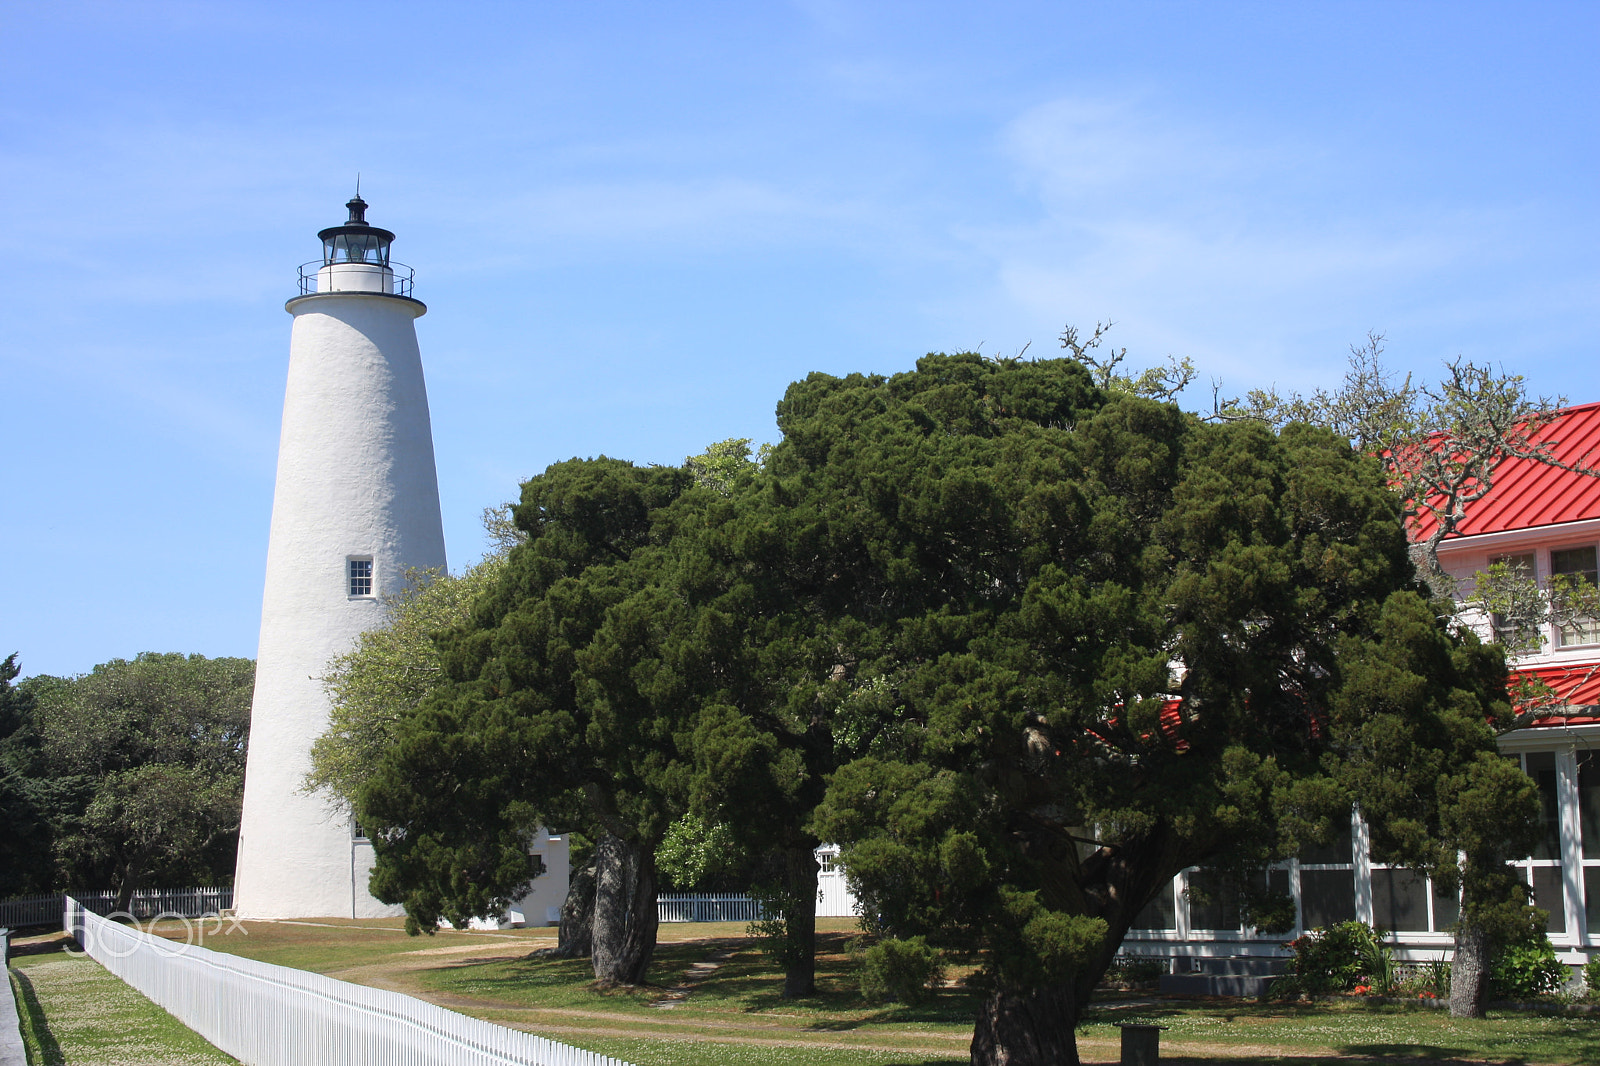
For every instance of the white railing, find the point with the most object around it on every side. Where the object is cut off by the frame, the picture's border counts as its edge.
(145, 904)
(707, 907)
(266, 1015)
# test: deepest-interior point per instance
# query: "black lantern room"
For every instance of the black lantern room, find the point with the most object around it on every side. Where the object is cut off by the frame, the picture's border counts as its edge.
(355, 241)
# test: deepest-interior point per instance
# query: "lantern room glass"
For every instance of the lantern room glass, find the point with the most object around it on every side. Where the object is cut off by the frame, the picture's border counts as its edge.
(356, 248)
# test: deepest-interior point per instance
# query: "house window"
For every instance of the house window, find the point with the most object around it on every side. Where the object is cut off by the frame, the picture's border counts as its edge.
(1515, 626)
(1399, 900)
(1213, 901)
(1159, 913)
(360, 575)
(1216, 899)
(1328, 880)
(1578, 567)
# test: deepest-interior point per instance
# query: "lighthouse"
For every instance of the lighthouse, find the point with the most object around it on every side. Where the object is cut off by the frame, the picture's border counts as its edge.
(355, 509)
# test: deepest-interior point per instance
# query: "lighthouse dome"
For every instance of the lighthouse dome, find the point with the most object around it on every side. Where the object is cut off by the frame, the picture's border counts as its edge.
(355, 258)
(355, 241)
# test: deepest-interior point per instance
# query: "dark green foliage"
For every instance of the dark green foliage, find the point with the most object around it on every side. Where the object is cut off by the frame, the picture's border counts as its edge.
(140, 769)
(1591, 976)
(1336, 959)
(25, 864)
(564, 703)
(1527, 967)
(1084, 641)
(900, 971)
(1412, 737)
(1024, 648)
(1023, 558)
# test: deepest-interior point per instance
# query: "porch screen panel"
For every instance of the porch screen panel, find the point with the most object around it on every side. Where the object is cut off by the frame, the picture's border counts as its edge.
(1591, 897)
(1213, 901)
(1541, 766)
(1400, 901)
(1327, 897)
(1589, 803)
(1446, 909)
(1548, 894)
(1159, 913)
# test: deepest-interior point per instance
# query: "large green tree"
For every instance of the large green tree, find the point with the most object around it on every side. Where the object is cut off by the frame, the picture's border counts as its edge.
(1099, 641)
(566, 699)
(145, 759)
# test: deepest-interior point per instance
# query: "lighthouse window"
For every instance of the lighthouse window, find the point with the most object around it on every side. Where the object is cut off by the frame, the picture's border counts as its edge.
(360, 577)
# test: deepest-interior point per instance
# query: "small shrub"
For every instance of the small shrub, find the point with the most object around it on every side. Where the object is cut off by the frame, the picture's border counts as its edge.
(1524, 969)
(1438, 971)
(1380, 971)
(1591, 977)
(1333, 960)
(904, 971)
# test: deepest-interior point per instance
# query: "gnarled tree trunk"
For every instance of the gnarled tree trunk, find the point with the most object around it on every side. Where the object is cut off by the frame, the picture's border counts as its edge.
(1493, 899)
(800, 921)
(624, 923)
(1034, 1028)
(1469, 971)
(575, 936)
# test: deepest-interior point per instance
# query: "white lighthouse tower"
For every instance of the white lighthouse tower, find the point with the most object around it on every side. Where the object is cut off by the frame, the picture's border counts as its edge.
(355, 507)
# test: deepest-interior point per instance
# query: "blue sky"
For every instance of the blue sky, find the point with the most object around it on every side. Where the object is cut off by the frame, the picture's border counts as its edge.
(635, 224)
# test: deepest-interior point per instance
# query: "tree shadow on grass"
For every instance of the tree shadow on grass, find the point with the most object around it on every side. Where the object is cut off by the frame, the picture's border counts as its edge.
(1376, 1053)
(1420, 1053)
(34, 1023)
(51, 946)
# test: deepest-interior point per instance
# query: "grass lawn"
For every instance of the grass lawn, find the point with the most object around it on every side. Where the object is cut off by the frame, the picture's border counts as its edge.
(733, 1015)
(77, 1013)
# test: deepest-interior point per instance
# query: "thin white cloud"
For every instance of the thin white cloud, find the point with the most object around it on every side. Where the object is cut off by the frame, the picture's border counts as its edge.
(1231, 248)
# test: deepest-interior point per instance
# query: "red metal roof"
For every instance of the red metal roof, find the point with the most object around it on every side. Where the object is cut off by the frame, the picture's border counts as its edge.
(1528, 494)
(1576, 687)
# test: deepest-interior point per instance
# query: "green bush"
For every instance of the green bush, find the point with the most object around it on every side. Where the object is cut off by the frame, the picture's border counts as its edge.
(1335, 959)
(905, 971)
(1526, 968)
(1591, 977)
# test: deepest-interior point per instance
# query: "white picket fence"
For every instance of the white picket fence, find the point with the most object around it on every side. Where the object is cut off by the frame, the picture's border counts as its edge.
(707, 907)
(145, 904)
(266, 1015)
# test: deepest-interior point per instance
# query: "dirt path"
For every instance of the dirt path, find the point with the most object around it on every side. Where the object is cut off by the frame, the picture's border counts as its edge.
(694, 975)
(400, 972)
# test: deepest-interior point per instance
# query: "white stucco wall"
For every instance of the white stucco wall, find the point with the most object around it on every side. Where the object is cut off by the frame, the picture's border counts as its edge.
(542, 904)
(355, 477)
